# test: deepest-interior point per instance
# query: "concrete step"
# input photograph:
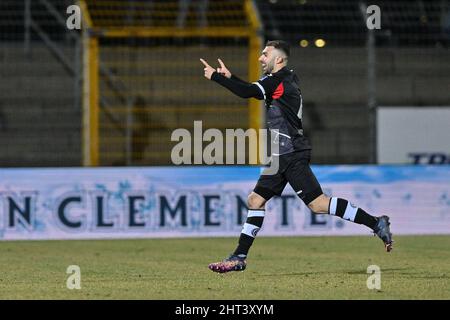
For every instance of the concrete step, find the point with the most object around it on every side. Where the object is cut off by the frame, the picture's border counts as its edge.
(11, 138)
(335, 116)
(332, 146)
(43, 160)
(46, 116)
(42, 87)
(336, 61)
(38, 62)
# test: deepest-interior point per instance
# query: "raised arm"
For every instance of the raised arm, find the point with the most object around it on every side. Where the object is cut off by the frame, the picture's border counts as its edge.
(239, 87)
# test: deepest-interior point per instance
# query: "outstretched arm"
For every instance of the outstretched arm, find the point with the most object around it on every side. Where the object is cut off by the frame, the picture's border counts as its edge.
(237, 86)
(238, 79)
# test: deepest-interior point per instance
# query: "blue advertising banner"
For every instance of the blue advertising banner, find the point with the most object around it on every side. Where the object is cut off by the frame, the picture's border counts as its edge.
(92, 203)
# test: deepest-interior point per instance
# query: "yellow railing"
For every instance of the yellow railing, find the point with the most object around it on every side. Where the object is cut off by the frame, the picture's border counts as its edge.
(90, 92)
(93, 34)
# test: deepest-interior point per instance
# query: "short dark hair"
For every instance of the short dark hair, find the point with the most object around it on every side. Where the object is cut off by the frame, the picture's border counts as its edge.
(280, 45)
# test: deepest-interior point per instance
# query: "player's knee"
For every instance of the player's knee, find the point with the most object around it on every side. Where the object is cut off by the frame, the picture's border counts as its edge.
(319, 205)
(255, 201)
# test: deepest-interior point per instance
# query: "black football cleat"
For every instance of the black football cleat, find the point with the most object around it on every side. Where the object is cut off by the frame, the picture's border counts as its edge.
(383, 231)
(232, 263)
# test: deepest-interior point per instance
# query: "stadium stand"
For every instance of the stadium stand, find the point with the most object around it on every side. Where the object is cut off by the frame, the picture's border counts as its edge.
(159, 73)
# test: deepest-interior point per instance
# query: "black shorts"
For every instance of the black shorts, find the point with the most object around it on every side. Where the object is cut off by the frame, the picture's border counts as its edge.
(293, 168)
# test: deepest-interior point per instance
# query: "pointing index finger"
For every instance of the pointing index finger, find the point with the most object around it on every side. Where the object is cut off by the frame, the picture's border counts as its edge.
(221, 63)
(204, 62)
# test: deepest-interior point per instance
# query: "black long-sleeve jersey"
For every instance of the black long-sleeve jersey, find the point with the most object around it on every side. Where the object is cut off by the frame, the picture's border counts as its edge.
(283, 102)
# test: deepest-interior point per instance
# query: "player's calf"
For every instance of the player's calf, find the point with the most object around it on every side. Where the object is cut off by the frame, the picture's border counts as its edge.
(348, 211)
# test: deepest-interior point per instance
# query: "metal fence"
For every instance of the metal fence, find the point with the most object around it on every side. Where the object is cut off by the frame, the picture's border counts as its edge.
(346, 71)
(40, 87)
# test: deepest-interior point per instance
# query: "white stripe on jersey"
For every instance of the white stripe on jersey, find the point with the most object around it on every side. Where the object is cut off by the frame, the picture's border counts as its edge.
(261, 88)
(300, 109)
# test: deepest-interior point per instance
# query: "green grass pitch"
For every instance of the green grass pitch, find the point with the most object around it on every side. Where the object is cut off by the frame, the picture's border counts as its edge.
(278, 268)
